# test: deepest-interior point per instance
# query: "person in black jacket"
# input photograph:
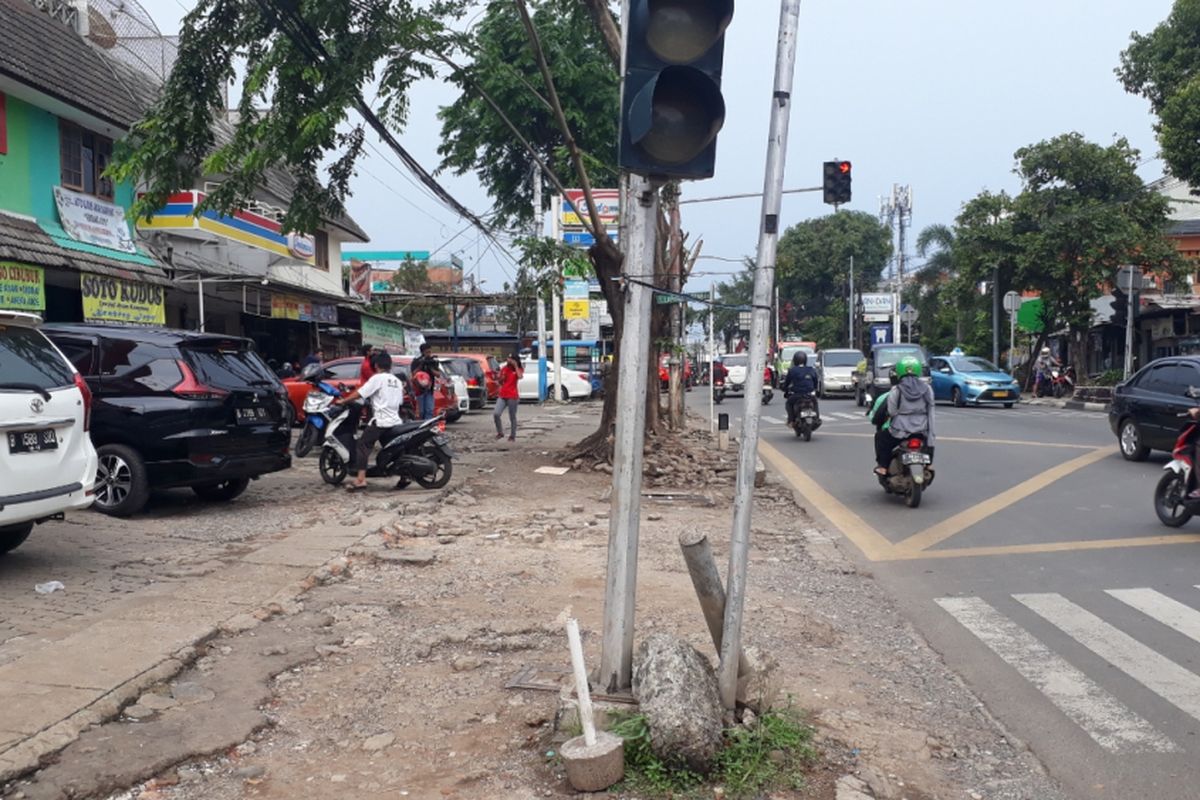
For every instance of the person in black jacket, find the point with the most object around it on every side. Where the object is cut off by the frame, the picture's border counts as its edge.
(428, 364)
(801, 381)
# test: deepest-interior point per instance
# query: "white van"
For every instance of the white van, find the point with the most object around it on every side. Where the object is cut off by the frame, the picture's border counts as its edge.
(47, 462)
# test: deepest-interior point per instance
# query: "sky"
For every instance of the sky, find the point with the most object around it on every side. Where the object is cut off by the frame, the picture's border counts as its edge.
(936, 94)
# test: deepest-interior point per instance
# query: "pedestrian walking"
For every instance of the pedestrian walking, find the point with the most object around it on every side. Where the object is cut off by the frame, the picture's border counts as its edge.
(366, 369)
(510, 397)
(427, 364)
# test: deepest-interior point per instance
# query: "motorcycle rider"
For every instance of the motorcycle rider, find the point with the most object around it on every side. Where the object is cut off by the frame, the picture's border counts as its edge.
(386, 393)
(800, 381)
(909, 412)
(1042, 370)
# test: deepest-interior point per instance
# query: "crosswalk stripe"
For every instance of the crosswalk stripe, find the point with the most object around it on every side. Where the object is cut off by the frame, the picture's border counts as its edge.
(1109, 722)
(1156, 672)
(1166, 610)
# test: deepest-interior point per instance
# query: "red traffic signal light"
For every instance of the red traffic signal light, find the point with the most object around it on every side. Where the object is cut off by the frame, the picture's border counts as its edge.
(836, 184)
(844, 167)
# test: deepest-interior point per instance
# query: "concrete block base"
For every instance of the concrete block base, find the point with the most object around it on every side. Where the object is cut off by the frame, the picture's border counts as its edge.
(595, 768)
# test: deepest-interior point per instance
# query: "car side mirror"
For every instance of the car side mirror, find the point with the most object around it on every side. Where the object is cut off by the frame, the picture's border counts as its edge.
(1193, 392)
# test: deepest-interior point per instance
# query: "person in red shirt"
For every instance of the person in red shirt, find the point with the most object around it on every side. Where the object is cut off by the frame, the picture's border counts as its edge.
(366, 369)
(510, 373)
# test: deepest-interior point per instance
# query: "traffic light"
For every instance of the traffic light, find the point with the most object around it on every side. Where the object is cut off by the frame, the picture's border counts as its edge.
(837, 182)
(671, 103)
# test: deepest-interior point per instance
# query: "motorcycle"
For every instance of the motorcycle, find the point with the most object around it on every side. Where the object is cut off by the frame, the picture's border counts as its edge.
(317, 409)
(412, 451)
(1062, 382)
(910, 471)
(768, 392)
(718, 390)
(1171, 502)
(805, 418)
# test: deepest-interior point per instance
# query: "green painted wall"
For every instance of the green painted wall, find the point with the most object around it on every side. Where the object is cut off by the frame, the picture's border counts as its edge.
(31, 167)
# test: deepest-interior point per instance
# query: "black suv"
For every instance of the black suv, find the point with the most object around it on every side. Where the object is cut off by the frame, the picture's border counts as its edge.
(176, 408)
(874, 382)
(1144, 408)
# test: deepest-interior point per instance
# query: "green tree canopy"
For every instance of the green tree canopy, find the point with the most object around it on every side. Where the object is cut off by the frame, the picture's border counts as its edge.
(475, 137)
(813, 271)
(1164, 67)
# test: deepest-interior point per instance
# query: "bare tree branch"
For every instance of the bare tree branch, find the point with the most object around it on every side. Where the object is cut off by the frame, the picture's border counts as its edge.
(597, 230)
(608, 28)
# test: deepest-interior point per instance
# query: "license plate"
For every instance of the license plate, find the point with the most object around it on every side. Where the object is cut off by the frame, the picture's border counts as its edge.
(32, 441)
(1001, 393)
(808, 413)
(249, 415)
(441, 440)
(915, 458)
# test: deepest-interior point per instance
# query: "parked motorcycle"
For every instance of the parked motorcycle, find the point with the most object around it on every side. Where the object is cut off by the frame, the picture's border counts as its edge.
(718, 390)
(1062, 381)
(805, 418)
(911, 470)
(317, 409)
(1171, 501)
(413, 451)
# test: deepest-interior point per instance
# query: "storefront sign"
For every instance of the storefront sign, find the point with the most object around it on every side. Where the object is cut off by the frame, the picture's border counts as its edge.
(575, 290)
(287, 307)
(608, 207)
(319, 312)
(247, 226)
(91, 220)
(877, 303)
(576, 309)
(284, 307)
(107, 299)
(381, 333)
(22, 287)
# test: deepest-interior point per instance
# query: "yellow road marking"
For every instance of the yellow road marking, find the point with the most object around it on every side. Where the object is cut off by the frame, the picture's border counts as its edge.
(870, 541)
(981, 511)
(1018, 442)
(1048, 547)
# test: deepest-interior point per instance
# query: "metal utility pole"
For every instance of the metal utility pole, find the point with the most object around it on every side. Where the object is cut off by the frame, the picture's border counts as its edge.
(777, 319)
(996, 315)
(712, 358)
(538, 229)
(764, 279)
(616, 653)
(850, 303)
(556, 304)
(674, 360)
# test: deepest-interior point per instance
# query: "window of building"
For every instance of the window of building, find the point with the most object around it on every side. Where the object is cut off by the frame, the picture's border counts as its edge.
(322, 245)
(84, 157)
(3, 124)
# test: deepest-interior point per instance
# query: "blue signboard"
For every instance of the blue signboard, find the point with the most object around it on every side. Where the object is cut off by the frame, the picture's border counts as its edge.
(881, 334)
(583, 238)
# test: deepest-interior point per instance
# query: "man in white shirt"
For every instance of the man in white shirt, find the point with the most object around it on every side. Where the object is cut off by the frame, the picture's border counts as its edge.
(386, 393)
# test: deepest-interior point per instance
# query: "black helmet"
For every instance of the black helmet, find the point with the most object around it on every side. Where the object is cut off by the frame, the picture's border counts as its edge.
(800, 359)
(893, 376)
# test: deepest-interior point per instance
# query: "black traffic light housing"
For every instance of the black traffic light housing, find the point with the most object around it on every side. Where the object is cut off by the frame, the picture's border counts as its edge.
(671, 103)
(836, 183)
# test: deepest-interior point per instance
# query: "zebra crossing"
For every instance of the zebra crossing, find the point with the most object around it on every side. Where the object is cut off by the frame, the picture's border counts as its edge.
(1109, 722)
(859, 415)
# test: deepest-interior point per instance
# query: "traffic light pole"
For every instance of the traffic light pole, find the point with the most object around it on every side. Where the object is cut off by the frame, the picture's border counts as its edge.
(764, 279)
(638, 239)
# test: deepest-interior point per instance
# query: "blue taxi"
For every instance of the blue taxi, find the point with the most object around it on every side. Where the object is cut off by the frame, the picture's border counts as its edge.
(970, 380)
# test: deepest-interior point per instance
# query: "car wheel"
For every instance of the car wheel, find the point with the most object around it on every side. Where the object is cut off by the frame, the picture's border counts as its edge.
(957, 396)
(566, 396)
(453, 416)
(121, 487)
(222, 491)
(444, 469)
(1132, 446)
(11, 536)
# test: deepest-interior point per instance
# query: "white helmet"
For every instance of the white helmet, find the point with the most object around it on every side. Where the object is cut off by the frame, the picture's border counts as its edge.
(1045, 351)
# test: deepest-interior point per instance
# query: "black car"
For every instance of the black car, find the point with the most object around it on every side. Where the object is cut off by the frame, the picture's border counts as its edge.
(176, 408)
(874, 382)
(1144, 408)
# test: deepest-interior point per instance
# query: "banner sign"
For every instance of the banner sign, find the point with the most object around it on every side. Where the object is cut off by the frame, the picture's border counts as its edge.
(608, 207)
(91, 220)
(360, 280)
(381, 333)
(577, 309)
(107, 299)
(286, 307)
(584, 239)
(22, 288)
(877, 304)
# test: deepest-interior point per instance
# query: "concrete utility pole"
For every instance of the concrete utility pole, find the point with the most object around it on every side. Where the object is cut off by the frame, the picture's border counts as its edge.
(556, 305)
(850, 303)
(638, 238)
(539, 228)
(764, 279)
(996, 315)
(675, 361)
(712, 357)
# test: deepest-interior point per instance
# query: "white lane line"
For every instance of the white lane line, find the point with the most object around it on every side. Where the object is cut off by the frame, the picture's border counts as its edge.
(1109, 722)
(1167, 610)
(1153, 670)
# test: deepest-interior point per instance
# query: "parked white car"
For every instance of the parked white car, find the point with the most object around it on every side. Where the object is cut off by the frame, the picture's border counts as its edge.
(575, 385)
(47, 461)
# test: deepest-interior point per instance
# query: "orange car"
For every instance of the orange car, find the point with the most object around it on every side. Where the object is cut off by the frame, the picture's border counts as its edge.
(343, 373)
(491, 370)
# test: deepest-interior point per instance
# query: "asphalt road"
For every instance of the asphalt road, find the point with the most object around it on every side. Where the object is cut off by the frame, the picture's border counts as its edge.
(1036, 566)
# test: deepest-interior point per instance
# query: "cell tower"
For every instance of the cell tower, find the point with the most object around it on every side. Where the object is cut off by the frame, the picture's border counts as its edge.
(896, 211)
